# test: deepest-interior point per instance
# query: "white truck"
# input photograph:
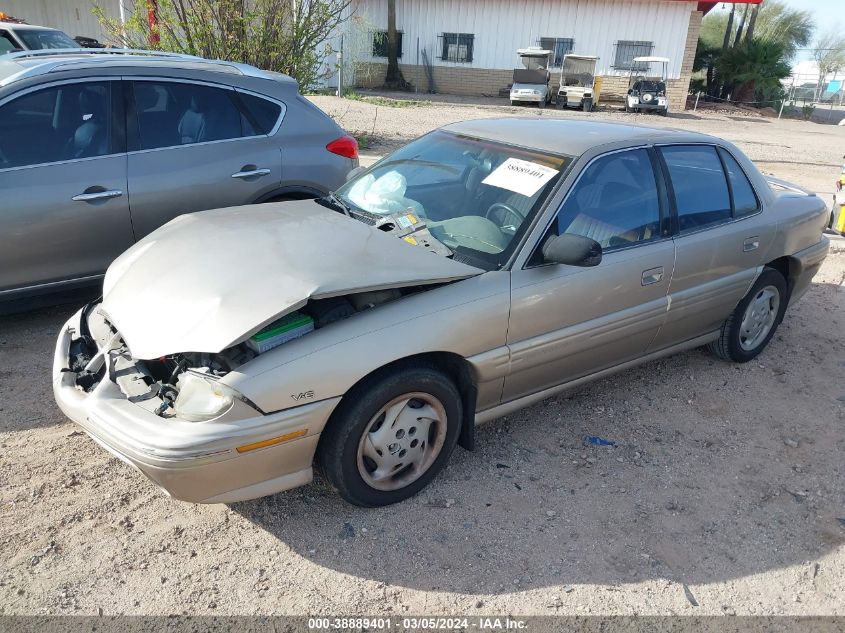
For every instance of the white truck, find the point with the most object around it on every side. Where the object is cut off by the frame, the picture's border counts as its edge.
(15, 35)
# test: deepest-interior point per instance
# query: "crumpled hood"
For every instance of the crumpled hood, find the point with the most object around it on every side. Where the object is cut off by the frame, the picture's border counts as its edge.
(208, 280)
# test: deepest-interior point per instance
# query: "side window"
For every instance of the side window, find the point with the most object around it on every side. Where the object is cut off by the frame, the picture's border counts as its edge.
(7, 44)
(174, 113)
(615, 202)
(65, 122)
(744, 200)
(262, 114)
(701, 190)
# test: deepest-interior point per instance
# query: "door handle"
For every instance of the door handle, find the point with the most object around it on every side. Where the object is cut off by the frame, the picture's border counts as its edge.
(750, 244)
(97, 195)
(251, 173)
(652, 275)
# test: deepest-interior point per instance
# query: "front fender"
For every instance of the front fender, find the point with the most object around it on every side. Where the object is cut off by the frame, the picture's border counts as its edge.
(468, 318)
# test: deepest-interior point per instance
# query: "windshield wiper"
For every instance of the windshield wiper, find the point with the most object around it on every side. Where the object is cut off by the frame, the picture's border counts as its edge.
(335, 202)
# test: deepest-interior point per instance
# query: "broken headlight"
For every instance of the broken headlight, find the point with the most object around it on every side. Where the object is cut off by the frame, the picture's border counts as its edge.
(202, 398)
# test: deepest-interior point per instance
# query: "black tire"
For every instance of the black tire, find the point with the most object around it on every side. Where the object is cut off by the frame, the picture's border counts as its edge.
(337, 453)
(561, 103)
(728, 346)
(587, 105)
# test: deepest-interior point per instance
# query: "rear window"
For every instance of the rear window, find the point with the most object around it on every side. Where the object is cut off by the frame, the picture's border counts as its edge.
(745, 202)
(263, 114)
(699, 184)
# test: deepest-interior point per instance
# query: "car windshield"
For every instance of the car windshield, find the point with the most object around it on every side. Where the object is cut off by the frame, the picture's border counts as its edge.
(648, 85)
(475, 196)
(36, 39)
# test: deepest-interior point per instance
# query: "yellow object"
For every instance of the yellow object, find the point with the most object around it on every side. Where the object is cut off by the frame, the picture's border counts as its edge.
(412, 218)
(840, 221)
(410, 239)
(272, 441)
(597, 90)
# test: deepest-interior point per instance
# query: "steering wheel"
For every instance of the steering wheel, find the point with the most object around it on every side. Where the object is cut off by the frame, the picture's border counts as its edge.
(500, 213)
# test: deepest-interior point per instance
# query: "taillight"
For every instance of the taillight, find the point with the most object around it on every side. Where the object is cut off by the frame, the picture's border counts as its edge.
(345, 146)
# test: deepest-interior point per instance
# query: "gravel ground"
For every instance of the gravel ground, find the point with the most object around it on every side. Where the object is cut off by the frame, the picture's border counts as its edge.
(726, 489)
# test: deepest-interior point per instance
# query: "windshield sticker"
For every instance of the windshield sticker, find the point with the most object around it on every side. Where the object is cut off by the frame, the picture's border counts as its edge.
(405, 221)
(520, 176)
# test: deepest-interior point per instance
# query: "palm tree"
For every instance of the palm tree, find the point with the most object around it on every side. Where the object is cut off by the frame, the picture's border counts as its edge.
(756, 67)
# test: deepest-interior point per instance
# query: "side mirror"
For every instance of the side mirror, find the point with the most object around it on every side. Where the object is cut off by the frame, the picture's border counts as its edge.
(354, 173)
(572, 250)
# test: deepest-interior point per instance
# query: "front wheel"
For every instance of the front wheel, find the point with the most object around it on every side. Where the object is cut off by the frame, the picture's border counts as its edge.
(390, 436)
(587, 105)
(747, 331)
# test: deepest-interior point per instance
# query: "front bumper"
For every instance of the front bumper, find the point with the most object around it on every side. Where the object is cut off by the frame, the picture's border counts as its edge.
(532, 98)
(197, 462)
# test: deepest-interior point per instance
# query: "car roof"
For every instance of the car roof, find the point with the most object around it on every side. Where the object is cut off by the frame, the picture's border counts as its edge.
(19, 26)
(567, 136)
(25, 64)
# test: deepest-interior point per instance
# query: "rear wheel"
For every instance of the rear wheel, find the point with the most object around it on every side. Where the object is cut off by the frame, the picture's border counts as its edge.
(747, 331)
(391, 436)
(587, 105)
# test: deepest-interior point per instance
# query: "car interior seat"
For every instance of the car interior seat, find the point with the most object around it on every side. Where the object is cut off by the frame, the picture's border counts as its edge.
(157, 115)
(91, 136)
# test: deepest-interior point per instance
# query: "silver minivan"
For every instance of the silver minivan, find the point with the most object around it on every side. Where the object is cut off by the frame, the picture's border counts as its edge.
(99, 148)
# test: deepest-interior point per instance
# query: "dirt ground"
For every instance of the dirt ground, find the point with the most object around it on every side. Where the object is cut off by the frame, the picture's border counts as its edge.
(726, 489)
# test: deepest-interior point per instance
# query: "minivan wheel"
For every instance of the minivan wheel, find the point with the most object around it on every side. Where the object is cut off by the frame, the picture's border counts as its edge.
(391, 436)
(752, 324)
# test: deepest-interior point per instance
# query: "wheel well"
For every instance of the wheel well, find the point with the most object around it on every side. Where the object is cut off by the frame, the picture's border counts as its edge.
(787, 269)
(293, 195)
(453, 365)
(290, 193)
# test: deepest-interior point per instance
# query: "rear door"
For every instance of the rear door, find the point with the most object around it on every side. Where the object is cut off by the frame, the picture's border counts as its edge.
(197, 146)
(64, 212)
(566, 321)
(721, 237)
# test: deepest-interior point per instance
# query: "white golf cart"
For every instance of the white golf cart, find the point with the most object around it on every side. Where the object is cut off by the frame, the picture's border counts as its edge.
(648, 92)
(531, 82)
(579, 86)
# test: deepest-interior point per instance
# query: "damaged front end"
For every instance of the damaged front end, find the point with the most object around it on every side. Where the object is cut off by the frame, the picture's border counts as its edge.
(187, 385)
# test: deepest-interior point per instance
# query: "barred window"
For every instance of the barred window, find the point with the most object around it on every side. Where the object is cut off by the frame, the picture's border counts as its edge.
(627, 50)
(456, 47)
(559, 46)
(380, 44)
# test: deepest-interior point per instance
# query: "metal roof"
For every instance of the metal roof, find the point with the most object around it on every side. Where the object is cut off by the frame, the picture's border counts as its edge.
(566, 136)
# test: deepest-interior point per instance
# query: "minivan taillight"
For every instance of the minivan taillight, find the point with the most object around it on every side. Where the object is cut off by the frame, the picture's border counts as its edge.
(345, 146)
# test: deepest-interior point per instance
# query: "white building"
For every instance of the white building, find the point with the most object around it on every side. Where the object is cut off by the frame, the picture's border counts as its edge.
(471, 44)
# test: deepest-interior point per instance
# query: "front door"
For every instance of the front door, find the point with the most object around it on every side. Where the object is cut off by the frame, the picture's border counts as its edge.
(64, 214)
(566, 321)
(194, 149)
